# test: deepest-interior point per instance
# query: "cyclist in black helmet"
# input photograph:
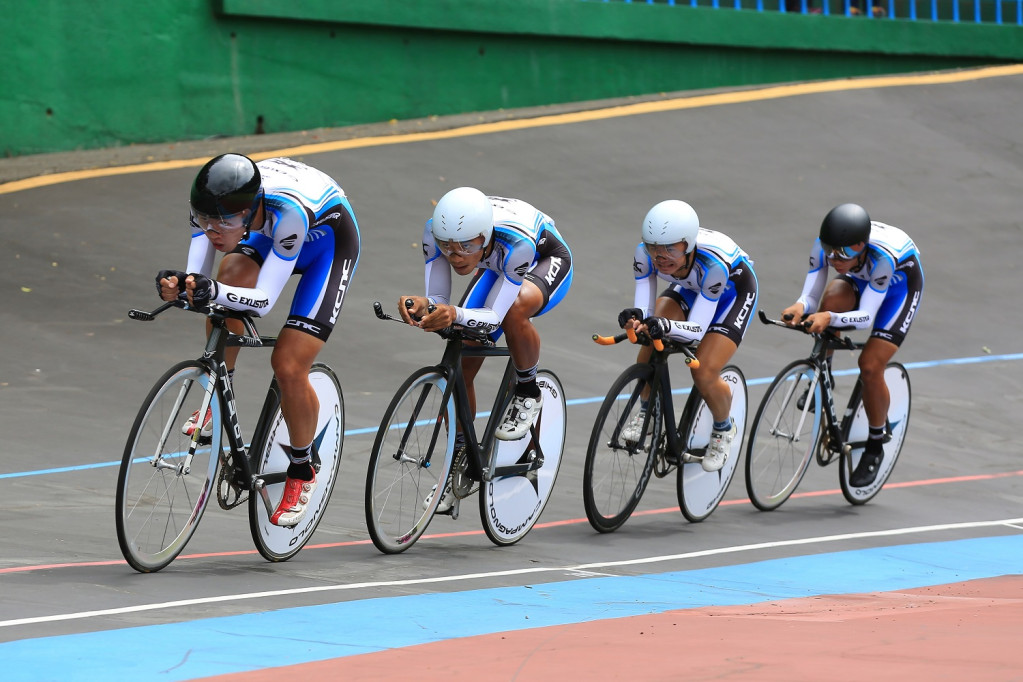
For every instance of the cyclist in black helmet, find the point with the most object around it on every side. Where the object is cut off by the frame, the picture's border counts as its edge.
(879, 284)
(271, 220)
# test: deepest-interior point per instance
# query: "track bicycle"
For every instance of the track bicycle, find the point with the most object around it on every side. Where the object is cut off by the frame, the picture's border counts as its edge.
(167, 478)
(797, 420)
(414, 460)
(617, 470)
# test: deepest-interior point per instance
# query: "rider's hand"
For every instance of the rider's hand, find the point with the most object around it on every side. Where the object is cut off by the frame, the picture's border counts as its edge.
(441, 317)
(817, 323)
(657, 327)
(413, 314)
(793, 314)
(628, 315)
(170, 283)
(201, 289)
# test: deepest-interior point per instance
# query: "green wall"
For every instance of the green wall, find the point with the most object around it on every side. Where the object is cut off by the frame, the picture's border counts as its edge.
(79, 75)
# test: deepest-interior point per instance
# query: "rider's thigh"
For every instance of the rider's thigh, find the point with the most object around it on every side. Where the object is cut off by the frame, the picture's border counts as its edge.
(294, 354)
(839, 296)
(874, 358)
(714, 352)
(668, 307)
(238, 270)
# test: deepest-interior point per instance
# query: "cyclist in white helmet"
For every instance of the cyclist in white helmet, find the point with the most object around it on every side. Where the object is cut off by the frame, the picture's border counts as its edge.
(710, 299)
(521, 268)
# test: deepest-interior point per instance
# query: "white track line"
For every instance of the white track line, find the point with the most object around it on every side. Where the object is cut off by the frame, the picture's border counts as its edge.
(1012, 523)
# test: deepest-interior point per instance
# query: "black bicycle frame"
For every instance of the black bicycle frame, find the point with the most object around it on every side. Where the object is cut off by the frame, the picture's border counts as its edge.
(660, 381)
(451, 367)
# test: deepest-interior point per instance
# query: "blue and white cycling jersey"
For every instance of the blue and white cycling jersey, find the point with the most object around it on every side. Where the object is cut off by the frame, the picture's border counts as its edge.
(309, 228)
(719, 293)
(526, 245)
(889, 283)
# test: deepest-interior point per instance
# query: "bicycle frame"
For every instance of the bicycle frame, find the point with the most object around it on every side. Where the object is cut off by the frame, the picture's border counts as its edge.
(661, 382)
(219, 339)
(823, 344)
(451, 366)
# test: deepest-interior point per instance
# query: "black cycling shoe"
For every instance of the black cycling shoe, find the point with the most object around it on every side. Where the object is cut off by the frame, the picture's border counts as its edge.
(866, 470)
(801, 401)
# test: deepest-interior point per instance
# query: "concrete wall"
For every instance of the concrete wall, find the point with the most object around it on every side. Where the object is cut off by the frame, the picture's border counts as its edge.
(79, 75)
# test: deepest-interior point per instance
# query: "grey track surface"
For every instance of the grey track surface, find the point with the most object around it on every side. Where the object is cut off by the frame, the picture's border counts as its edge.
(942, 161)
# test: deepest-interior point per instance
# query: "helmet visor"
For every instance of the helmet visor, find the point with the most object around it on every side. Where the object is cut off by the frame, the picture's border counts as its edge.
(840, 252)
(466, 248)
(220, 224)
(670, 251)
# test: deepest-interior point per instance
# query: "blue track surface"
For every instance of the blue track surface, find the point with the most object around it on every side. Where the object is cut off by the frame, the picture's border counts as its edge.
(185, 651)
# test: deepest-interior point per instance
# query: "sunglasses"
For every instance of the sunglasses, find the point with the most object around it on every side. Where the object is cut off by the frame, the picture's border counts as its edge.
(466, 248)
(671, 251)
(227, 223)
(840, 252)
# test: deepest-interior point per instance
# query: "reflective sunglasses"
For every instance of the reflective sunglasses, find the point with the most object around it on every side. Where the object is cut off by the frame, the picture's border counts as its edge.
(466, 248)
(671, 251)
(227, 223)
(840, 252)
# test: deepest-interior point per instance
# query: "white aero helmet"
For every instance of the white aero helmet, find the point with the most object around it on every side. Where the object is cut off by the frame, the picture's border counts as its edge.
(670, 222)
(462, 214)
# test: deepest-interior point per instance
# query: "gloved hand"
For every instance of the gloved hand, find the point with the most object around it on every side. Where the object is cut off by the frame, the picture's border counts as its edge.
(629, 314)
(204, 291)
(657, 327)
(167, 274)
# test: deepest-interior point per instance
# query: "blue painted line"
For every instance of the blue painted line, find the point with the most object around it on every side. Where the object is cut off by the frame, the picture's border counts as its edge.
(575, 401)
(218, 646)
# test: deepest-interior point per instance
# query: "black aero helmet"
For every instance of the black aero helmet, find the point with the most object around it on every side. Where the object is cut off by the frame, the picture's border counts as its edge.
(845, 225)
(227, 185)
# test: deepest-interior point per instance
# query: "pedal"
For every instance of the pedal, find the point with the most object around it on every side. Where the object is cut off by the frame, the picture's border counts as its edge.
(693, 456)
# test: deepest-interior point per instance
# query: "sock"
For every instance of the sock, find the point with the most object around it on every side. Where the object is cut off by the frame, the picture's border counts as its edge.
(459, 441)
(724, 426)
(644, 405)
(526, 382)
(875, 441)
(301, 463)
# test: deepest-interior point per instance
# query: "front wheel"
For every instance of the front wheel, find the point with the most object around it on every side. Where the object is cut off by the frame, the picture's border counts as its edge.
(412, 456)
(783, 435)
(855, 430)
(617, 470)
(167, 477)
(510, 505)
(269, 455)
(700, 492)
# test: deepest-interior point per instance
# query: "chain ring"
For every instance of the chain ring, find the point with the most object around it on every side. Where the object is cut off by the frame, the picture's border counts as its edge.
(229, 495)
(461, 483)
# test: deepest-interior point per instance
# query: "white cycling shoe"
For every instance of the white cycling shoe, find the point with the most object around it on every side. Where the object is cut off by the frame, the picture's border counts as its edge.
(519, 417)
(719, 448)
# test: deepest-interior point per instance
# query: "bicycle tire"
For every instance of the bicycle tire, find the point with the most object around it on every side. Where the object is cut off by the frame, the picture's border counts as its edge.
(268, 455)
(616, 473)
(159, 502)
(412, 453)
(511, 505)
(699, 492)
(855, 428)
(781, 441)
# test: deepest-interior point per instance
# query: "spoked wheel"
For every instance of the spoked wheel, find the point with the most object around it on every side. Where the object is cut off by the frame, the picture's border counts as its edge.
(510, 505)
(617, 470)
(783, 436)
(699, 491)
(166, 477)
(270, 459)
(411, 455)
(855, 430)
